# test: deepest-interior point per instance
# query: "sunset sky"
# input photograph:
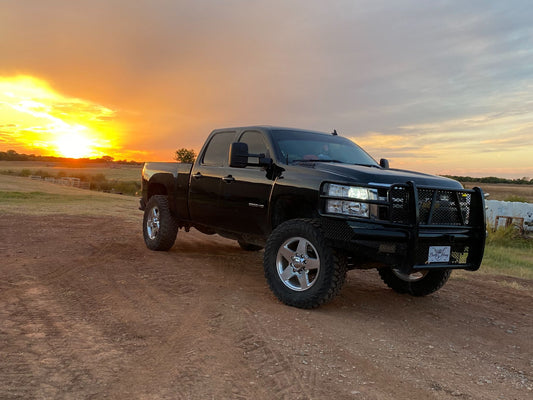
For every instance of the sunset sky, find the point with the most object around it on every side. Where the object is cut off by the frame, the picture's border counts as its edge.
(440, 86)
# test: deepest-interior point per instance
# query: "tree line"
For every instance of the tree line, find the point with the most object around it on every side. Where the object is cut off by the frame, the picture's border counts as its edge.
(12, 155)
(492, 179)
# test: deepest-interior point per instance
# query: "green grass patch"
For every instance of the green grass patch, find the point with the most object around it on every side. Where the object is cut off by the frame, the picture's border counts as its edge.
(509, 253)
(8, 197)
(513, 262)
(509, 237)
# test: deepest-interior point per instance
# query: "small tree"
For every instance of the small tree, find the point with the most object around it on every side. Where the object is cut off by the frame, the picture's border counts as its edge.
(185, 155)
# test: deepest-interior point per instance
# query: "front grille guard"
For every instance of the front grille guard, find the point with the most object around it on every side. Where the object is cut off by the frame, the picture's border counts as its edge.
(432, 216)
(436, 216)
(429, 206)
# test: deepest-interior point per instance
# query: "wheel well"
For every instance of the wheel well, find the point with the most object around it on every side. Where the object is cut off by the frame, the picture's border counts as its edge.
(291, 208)
(156, 188)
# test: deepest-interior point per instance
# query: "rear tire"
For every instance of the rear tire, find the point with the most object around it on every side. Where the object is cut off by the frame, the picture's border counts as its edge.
(420, 283)
(159, 226)
(300, 267)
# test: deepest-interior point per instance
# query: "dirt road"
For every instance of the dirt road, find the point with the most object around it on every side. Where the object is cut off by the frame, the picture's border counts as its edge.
(87, 312)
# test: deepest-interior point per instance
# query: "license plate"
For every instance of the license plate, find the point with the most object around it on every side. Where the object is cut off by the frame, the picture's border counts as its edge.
(439, 254)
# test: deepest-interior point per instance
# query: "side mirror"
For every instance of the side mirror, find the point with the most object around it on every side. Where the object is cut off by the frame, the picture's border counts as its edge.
(384, 163)
(238, 155)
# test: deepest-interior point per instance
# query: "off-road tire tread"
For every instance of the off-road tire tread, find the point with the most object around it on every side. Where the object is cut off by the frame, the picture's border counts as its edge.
(330, 260)
(433, 281)
(168, 229)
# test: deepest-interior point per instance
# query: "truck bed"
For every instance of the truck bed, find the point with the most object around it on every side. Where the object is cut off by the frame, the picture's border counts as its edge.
(165, 175)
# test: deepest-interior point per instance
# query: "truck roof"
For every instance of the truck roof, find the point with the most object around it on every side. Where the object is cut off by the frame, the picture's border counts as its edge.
(268, 128)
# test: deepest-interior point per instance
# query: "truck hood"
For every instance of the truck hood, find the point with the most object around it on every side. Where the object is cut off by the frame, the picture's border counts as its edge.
(370, 174)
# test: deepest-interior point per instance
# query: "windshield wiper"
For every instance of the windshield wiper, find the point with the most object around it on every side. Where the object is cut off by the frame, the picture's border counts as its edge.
(369, 165)
(337, 161)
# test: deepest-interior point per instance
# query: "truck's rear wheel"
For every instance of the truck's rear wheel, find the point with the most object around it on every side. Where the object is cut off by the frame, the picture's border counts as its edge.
(300, 268)
(420, 283)
(159, 227)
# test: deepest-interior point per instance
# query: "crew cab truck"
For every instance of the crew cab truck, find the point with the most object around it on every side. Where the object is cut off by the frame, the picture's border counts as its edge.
(319, 205)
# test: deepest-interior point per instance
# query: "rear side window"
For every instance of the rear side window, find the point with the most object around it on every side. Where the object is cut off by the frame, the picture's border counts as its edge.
(217, 151)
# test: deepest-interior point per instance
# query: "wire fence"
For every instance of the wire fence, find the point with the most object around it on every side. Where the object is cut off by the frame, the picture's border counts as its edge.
(64, 181)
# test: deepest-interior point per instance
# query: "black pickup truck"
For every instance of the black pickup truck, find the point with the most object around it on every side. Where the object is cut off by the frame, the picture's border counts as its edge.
(319, 205)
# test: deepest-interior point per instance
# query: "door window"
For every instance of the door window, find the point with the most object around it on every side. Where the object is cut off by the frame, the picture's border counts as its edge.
(217, 151)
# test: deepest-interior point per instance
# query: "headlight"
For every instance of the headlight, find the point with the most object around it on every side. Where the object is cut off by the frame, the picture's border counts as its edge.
(348, 206)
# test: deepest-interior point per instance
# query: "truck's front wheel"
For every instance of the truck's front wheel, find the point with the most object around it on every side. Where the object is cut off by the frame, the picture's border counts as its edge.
(300, 268)
(159, 227)
(420, 283)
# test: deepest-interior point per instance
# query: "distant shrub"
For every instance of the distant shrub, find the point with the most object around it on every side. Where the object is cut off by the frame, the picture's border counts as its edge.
(97, 178)
(126, 187)
(42, 173)
(508, 237)
(25, 172)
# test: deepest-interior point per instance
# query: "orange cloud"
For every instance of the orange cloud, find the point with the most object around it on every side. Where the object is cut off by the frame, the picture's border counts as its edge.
(42, 121)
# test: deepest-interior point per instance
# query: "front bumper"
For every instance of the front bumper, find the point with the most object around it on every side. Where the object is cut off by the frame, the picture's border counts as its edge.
(416, 229)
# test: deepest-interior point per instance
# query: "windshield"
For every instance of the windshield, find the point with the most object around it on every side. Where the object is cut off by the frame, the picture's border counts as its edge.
(301, 146)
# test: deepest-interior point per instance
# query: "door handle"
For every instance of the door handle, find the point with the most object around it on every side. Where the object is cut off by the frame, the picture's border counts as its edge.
(198, 175)
(228, 179)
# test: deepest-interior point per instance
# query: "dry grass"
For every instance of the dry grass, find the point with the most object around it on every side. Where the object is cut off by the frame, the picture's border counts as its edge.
(117, 172)
(502, 191)
(24, 196)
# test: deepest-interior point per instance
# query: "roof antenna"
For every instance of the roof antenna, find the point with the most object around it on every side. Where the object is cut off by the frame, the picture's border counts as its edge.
(334, 133)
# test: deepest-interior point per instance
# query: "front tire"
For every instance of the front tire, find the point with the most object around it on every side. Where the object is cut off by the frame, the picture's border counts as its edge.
(159, 226)
(420, 283)
(300, 267)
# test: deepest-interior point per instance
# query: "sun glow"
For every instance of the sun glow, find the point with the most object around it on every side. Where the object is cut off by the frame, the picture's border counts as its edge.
(35, 118)
(74, 145)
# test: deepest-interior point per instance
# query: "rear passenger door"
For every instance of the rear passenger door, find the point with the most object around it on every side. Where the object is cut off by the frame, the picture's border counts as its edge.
(206, 181)
(245, 196)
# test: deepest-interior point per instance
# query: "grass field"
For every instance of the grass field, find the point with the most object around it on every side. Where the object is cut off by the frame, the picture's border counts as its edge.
(504, 191)
(112, 171)
(20, 195)
(115, 178)
(508, 253)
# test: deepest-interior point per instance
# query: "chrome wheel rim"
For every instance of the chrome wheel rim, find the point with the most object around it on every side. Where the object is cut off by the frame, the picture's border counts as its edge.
(413, 277)
(153, 223)
(298, 264)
